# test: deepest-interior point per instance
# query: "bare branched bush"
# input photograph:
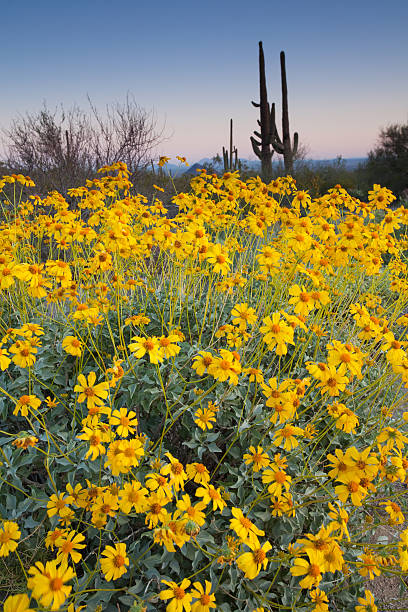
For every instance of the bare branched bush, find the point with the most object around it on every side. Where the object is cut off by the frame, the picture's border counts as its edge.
(61, 149)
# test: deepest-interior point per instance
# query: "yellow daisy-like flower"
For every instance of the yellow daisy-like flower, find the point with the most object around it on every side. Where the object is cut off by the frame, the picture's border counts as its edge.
(180, 600)
(244, 527)
(133, 497)
(169, 346)
(9, 536)
(24, 354)
(17, 603)
(114, 563)
(89, 392)
(150, 346)
(198, 473)
(68, 547)
(226, 367)
(367, 603)
(251, 563)
(257, 457)
(287, 437)
(206, 599)
(25, 402)
(211, 495)
(4, 360)
(124, 421)
(243, 316)
(48, 583)
(205, 417)
(218, 256)
(202, 361)
(72, 346)
(309, 568)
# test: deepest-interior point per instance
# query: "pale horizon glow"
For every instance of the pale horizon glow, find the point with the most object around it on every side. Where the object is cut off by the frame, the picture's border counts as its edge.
(196, 66)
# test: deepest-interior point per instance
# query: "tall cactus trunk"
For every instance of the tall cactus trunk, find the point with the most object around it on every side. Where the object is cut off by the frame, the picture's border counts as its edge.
(231, 160)
(266, 157)
(287, 149)
(284, 147)
(263, 146)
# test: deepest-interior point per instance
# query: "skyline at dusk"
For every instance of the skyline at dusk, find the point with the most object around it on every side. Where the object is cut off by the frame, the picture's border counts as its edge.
(197, 66)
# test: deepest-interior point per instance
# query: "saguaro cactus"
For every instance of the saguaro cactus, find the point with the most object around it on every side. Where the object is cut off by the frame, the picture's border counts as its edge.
(263, 146)
(231, 160)
(283, 146)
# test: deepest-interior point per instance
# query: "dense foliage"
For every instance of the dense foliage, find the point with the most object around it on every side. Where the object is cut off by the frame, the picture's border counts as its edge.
(204, 412)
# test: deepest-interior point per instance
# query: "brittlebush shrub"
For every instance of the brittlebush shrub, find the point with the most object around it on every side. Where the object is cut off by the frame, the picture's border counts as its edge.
(204, 412)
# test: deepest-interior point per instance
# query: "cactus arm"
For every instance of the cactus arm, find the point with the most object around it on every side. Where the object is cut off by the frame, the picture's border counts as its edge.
(225, 158)
(255, 147)
(278, 147)
(255, 104)
(295, 143)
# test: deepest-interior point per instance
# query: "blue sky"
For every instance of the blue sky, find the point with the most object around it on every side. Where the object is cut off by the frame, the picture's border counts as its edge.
(196, 65)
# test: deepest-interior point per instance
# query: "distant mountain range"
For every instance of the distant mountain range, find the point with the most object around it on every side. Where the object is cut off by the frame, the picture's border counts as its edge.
(350, 163)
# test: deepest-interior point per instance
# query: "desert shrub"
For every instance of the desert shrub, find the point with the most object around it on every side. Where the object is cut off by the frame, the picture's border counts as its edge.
(206, 411)
(388, 161)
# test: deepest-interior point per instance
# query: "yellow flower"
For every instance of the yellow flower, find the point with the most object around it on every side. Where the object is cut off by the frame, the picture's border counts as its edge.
(243, 316)
(25, 402)
(368, 566)
(25, 441)
(89, 392)
(276, 333)
(198, 473)
(23, 354)
(114, 563)
(151, 345)
(286, 435)
(95, 439)
(124, 421)
(72, 346)
(180, 600)
(211, 495)
(320, 600)
(17, 603)
(48, 583)
(226, 367)
(333, 381)
(309, 568)
(205, 417)
(367, 603)
(218, 256)
(4, 360)
(133, 496)
(251, 563)
(9, 535)
(163, 160)
(156, 510)
(257, 457)
(351, 487)
(68, 545)
(206, 599)
(187, 511)
(244, 527)
(169, 346)
(394, 511)
(278, 478)
(175, 471)
(302, 300)
(58, 505)
(202, 361)
(54, 538)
